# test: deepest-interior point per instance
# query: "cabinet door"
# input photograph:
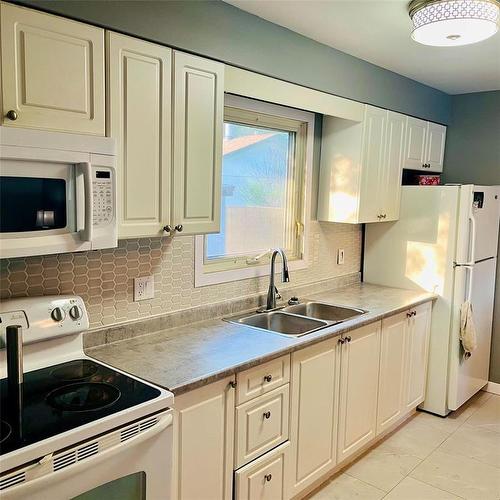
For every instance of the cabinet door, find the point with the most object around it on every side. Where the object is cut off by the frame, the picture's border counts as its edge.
(139, 118)
(392, 370)
(203, 442)
(417, 343)
(372, 164)
(416, 132)
(358, 389)
(436, 138)
(313, 413)
(52, 72)
(198, 127)
(390, 192)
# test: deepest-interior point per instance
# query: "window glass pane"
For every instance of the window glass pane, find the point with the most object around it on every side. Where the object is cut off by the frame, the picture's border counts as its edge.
(255, 187)
(131, 487)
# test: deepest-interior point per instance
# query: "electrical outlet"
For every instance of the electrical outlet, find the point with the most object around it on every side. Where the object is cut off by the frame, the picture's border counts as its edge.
(340, 256)
(144, 288)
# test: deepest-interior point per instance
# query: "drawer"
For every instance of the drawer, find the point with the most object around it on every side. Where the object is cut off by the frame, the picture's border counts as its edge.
(264, 478)
(262, 378)
(261, 424)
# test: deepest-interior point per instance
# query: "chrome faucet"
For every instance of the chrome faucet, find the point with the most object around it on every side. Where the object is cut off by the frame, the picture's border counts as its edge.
(272, 293)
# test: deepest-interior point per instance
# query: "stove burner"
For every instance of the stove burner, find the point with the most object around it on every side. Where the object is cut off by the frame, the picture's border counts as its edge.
(75, 370)
(83, 396)
(5, 430)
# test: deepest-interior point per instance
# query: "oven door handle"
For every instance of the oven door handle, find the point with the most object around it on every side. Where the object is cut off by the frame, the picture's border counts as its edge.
(85, 169)
(31, 487)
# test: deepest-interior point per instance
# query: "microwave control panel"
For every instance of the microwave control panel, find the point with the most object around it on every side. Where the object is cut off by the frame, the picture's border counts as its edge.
(103, 197)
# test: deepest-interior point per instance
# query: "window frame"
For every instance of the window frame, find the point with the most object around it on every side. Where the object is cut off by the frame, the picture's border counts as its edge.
(222, 272)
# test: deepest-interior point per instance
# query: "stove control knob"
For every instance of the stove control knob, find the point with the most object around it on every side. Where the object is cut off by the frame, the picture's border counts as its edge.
(75, 312)
(57, 314)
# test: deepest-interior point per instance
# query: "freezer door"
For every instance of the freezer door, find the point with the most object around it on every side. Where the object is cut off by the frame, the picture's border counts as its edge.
(479, 215)
(468, 375)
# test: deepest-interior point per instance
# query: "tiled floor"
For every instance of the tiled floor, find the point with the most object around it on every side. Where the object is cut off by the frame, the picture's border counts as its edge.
(429, 458)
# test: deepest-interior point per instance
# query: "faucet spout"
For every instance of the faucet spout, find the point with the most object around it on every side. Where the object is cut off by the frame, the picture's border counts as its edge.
(272, 292)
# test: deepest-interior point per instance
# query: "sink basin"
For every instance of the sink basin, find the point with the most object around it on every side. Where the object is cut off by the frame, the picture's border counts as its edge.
(327, 312)
(282, 323)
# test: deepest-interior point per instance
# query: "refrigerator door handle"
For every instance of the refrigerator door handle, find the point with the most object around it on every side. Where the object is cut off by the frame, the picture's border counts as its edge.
(470, 268)
(472, 243)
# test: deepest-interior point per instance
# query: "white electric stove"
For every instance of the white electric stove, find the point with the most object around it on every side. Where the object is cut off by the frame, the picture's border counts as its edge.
(77, 428)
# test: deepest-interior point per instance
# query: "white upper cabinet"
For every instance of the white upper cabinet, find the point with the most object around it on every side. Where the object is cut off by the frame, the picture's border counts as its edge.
(139, 118)
(52, 72)
(425, 142)
(361, 167)
(165, 110)
(416, 131)
(436, 139)
(198, 131)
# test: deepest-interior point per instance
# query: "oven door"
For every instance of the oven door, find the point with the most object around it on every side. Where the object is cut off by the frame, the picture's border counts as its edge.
(129, 463)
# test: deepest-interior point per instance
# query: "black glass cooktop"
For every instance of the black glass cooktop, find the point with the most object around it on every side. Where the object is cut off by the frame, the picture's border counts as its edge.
(63, 397)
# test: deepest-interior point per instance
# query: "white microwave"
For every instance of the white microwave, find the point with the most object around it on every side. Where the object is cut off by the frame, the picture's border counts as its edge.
(57, 192)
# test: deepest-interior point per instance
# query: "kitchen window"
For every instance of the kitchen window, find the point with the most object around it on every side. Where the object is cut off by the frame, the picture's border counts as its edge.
(267, 156)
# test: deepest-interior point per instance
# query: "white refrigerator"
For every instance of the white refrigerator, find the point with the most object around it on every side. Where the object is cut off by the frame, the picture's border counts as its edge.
(445, 242)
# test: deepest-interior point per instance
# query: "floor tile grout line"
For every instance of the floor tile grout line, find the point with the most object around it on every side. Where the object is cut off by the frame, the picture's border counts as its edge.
(437, 487)
(364, 482)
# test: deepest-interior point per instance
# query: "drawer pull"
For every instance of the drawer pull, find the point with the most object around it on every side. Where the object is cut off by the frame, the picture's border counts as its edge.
(268, 378)
(267, 414)
(268, 477)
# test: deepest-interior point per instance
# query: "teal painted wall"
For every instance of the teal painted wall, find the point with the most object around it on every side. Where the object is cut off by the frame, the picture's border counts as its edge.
(218, 30)
(473, 157)
(473, 139)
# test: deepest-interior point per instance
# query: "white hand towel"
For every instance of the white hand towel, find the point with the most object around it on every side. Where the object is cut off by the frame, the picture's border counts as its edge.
(468, 335)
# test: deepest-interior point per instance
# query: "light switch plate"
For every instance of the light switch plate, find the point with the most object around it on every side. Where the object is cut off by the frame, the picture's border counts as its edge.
(144, 288)
(340, 256)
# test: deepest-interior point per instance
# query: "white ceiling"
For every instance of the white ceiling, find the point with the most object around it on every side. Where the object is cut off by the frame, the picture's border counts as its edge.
(379, 32)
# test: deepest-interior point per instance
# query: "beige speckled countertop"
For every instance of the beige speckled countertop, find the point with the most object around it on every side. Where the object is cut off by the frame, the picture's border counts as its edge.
(183, 358)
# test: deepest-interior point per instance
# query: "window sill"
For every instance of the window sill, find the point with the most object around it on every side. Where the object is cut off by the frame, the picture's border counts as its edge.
(203, 278)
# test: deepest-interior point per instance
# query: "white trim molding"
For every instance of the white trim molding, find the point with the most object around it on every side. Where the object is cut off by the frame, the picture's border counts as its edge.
(203, 278)
(492, 387)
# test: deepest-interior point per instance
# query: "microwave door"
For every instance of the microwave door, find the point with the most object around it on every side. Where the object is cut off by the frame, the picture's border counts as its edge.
(36, 201)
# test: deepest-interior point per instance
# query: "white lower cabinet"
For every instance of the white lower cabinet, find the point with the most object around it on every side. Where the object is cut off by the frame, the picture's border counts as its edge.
(358, 389)
(264, 478)
(203, 442)
(313, 413)
(297, 419)
(392, 370)
(417, 354)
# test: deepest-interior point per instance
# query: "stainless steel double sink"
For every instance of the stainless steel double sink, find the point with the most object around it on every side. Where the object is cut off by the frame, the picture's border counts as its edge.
(298, 319)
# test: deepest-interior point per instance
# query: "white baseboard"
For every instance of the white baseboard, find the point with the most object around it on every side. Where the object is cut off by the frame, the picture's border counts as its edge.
(492, 387)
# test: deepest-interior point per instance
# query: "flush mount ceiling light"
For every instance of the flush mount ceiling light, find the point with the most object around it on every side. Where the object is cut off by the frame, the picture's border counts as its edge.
(448, 23)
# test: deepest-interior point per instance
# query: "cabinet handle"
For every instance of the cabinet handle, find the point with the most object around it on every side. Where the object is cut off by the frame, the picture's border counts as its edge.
(340, 341)
(268, 477)
(167, 228)
(268, 378)
(414, 313)
(179, 228)
(409, 314)
(384, 216)
(267, 414)
(232, 384)
(12, 115)
(348, 339)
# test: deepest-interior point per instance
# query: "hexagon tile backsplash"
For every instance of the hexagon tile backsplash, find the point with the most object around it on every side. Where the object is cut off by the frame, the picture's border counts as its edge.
(104, 278)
